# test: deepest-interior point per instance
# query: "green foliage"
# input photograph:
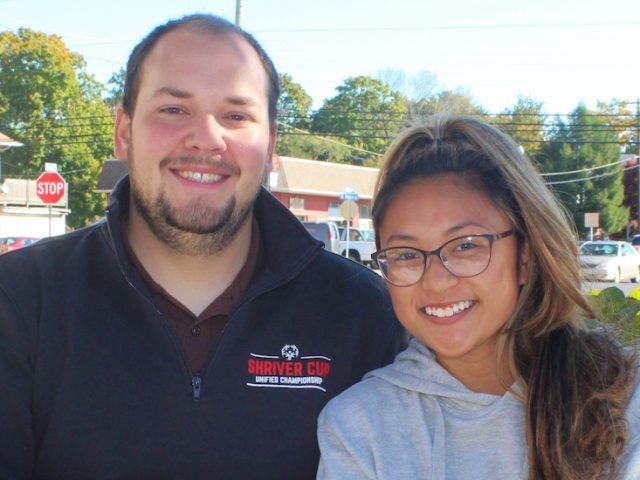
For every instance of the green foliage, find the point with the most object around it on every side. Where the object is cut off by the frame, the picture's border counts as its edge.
(524, 122)
(51, 105)
(294, 105)
(365, 113)
(116, 92)
(455, 102)
(620, 312)
(292, 143)
(583, 142)
(294, 120)
(623, 118)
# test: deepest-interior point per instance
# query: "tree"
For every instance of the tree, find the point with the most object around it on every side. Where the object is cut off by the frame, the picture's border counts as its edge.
(525, 123)
(51, 105)
(116, 92)
(365, 113)
(294, 120)
(312, 147)
(294, 105)
(422, 84)
(625, 121)
(456, 102)
(584, 144)
(394, 78)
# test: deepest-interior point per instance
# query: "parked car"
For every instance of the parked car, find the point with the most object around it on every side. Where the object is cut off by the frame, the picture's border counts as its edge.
(326, 232)
(8, 244)
(361, 245)
(635, 241)
(610, 261)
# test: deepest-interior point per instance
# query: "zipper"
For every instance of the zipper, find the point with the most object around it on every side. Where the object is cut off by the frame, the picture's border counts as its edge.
(294, 272)
(196, 380)
(196, 383)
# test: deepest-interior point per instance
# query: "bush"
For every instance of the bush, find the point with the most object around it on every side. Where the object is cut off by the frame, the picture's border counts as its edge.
(619, 312)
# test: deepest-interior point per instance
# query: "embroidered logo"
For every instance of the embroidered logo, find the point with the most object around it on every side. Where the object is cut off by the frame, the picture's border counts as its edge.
(288, 370)
(290, 352)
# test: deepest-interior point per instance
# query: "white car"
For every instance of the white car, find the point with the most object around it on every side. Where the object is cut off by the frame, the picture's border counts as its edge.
(361, 245)
(610, 261)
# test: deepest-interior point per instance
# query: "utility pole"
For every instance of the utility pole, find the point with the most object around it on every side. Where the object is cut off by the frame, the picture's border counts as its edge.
(238, 12)
(638, 157)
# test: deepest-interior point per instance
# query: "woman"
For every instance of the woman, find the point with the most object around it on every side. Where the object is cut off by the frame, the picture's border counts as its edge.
(501, 379)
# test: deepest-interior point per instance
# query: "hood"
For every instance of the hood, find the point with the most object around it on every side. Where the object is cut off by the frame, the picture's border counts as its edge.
(416, 369)
(596, 259)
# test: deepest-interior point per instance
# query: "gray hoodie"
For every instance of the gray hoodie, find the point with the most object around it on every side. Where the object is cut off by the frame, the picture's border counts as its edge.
(413, 420)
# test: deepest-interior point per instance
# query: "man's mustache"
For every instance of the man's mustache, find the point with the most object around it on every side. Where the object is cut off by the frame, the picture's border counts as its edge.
(215, 163)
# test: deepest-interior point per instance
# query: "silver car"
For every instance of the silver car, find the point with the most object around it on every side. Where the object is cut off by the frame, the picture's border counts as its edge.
(325, 231)
(610, 261)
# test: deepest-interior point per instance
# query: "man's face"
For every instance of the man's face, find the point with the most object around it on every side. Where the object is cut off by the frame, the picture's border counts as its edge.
(199, 143)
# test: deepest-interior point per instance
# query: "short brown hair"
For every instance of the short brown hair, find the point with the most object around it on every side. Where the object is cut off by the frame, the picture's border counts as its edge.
(205, 22)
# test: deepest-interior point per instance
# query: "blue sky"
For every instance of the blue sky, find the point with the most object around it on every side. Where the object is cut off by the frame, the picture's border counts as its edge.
(560, 52)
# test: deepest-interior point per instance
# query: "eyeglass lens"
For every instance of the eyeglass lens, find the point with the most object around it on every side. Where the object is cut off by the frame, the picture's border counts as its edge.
(463, 257)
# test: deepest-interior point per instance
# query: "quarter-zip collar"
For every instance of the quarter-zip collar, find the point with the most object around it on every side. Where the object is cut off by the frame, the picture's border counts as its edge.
(288, 247)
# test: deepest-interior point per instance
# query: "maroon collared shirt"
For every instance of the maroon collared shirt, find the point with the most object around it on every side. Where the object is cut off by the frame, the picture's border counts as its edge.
(198, 333)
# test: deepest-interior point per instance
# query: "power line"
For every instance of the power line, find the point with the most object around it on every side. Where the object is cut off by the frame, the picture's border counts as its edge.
(587, 169)
(452, 27)
(330, 140)
(577, 180)
(390, 137)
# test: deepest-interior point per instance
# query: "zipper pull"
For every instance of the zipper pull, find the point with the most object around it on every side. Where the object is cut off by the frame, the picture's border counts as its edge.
(196, 383)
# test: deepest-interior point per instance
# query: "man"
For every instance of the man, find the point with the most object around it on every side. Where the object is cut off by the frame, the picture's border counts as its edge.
(197, 331)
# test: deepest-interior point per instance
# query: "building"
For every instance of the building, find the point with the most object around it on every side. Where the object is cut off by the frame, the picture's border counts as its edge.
(309, 188)
(22, 213)
(112, 171)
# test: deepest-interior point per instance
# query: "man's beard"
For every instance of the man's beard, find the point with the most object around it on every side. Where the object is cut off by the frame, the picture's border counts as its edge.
(196, 229)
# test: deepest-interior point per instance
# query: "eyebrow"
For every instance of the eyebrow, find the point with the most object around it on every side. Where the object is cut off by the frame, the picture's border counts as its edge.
(176, 92)
(450, 231)
(242, 101)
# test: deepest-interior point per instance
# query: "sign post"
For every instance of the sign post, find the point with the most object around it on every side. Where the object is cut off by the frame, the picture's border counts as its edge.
(349, 197)
(50, 188)
(591, 220)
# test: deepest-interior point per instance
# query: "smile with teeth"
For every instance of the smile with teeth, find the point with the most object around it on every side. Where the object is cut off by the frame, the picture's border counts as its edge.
(448, 311)
(199, 176)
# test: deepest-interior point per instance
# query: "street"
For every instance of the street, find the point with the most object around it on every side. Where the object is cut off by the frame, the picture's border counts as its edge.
(626, 287)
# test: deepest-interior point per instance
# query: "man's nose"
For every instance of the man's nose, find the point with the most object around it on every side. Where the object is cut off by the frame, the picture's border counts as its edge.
(206, 135)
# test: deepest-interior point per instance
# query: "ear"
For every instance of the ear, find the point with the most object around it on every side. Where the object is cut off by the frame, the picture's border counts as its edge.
(523, 263)
(121, 135)
(273, 137)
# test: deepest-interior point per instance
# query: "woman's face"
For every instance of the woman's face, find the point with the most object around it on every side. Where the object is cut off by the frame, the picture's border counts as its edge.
(460, 319)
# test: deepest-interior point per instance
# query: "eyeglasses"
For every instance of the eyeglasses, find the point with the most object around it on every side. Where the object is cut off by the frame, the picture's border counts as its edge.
(466, 256)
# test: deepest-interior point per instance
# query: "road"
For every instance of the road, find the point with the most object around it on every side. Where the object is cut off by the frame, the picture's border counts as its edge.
(626, 287)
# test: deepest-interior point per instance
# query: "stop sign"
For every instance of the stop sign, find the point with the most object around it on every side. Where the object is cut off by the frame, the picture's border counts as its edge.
(50, 187)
